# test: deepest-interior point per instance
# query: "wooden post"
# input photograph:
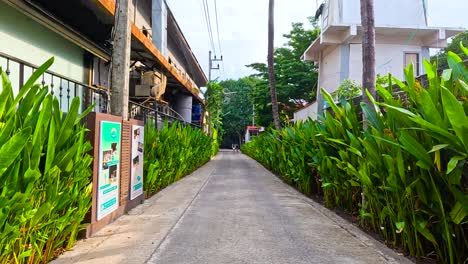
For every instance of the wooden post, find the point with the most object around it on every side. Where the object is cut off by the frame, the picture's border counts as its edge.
(121, 59)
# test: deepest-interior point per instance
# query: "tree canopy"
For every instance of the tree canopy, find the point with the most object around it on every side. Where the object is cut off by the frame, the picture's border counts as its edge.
(453, 46)
(237, 108)
(296, 80)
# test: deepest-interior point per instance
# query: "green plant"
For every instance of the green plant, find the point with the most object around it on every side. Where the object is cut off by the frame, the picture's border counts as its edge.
(172, 153)
(348, 89)
(45, 176)
(411, 163)
(214, 98)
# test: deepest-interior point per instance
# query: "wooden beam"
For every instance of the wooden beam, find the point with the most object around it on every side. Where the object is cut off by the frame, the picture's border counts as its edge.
(137, 34)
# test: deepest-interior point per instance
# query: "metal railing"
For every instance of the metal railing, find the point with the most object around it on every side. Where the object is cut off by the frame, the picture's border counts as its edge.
(62, 87)
(156, 115)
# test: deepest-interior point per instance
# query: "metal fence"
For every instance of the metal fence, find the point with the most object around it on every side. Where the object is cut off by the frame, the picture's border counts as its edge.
(157, 115)
(63, 88)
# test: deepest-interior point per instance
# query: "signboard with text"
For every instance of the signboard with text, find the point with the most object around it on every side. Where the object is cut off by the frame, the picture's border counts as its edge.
(136, 177)
(109, 168)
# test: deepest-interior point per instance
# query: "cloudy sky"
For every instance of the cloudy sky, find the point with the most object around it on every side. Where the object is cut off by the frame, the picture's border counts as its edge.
(243, 27)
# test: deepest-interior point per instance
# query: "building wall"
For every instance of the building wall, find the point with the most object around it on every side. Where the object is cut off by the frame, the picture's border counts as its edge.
(402, 13)
(24, 38)
(175, 55)
(142, 15)
(306, 113)
(330, 69)
(389, 59)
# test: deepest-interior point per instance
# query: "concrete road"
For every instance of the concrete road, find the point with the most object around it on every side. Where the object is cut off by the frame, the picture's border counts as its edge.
(231, 211)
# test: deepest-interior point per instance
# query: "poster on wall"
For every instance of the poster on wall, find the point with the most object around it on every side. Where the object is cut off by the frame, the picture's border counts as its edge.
(136, 181)
(109, 168)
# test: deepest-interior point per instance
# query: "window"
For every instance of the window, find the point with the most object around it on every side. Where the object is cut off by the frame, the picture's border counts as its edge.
(414, 59)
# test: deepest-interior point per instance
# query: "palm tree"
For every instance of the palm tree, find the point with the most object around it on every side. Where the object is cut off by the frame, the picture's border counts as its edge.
(368, 60)
(271, 66)
(368, 49)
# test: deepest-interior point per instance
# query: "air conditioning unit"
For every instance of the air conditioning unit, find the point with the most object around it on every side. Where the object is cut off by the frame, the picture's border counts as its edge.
(143, 90)
(157, 82)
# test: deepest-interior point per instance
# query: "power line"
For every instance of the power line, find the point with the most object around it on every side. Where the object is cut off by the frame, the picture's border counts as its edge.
(208, 19)
(217, 27)
(204, 17)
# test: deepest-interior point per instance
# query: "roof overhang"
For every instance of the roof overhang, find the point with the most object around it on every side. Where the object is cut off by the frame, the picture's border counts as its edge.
(431, 37)
(145, 49)
(194, 67)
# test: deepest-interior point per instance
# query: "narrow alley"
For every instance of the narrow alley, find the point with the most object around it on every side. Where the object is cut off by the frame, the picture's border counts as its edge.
(231, 210)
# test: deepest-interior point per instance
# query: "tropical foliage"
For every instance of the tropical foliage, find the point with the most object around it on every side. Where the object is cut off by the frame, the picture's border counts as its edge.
(237, 109)
(454, 46)
(348, 89)
(214, 97)
(45, 176)
(296, 80)
(410, 164)
(172, 153)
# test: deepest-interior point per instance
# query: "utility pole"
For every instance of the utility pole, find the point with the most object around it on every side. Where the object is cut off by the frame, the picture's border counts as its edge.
(253, 114)
(368, 51)
(210, 65)
(121, 59)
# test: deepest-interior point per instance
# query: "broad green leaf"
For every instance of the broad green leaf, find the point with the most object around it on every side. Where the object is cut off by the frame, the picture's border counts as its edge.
(421, 227)
(446, 75)
(372, 117)
(32, 80)
(331, 102)
(400, 226)
(12, 148)
(463, 85)
(456, 64)
(415, 148)
(453, 163)
(5, 132)
(430, 110)
(456, 115)
(458, 213)
(431, 74)
(25, 254)
(67, 126)
(401, 110)
(6, 96)
(438, 147)
(465, 50)
(462, 198)
(50, 146)
(90, 108)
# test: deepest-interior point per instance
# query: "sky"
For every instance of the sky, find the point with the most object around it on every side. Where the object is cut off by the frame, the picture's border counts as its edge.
(243, 27)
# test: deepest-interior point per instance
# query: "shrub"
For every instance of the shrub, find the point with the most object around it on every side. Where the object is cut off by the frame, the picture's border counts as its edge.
(410, 165)
(172, 153)
(45, 176)
(348, 89)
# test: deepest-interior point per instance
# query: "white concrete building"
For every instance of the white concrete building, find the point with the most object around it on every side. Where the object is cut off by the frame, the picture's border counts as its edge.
(402, 37)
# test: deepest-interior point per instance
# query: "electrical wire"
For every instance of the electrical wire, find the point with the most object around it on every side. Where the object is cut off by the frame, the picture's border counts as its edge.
(208, 19)
(217, 27)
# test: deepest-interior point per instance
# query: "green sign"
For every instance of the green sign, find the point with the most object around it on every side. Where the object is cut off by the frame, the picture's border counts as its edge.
(109, 168)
